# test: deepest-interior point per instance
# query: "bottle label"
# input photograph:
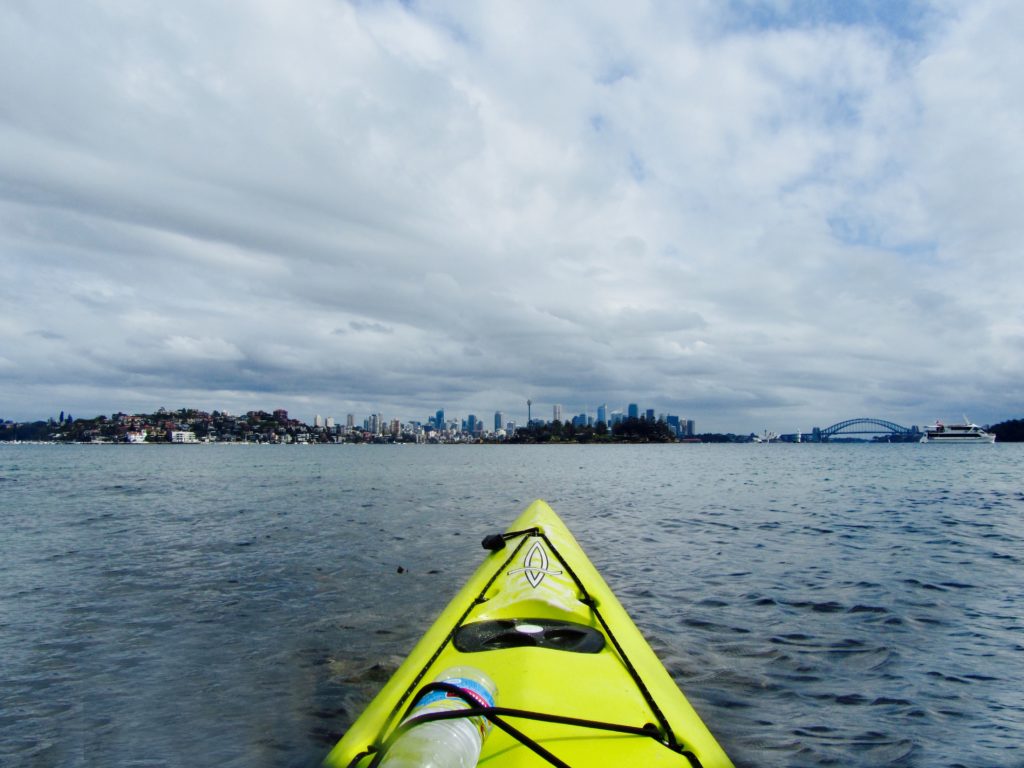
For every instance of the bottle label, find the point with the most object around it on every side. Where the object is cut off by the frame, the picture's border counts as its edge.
(443, 701)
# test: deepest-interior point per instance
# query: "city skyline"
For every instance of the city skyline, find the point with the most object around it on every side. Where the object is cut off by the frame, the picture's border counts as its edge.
(191, 425)
(766, 215)
(599, 413)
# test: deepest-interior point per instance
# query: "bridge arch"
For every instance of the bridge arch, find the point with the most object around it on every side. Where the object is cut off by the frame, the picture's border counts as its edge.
(865, 427)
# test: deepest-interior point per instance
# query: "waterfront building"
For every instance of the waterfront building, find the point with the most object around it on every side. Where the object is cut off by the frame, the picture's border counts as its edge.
(318, 420)
(330, 422)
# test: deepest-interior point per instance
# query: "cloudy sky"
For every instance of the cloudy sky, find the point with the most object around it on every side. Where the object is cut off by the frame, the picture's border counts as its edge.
(771, 215)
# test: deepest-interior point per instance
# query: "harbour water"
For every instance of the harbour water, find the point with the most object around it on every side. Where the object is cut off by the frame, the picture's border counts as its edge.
(854, 605)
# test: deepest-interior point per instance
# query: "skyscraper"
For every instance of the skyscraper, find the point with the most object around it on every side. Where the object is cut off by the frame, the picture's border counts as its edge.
(633, 411)
(499, 420)
(556, 412)
(602, 412)
(439, 419)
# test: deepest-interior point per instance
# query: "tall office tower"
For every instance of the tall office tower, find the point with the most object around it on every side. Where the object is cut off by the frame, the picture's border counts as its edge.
(330, 422)
(396, 427)
(557, 413)
(471, 423)
(499, 420)
(439, 419)
(634, 411)
(350, 421)
(650, 415)
(602, 412)
(318, 420)
(691, 428)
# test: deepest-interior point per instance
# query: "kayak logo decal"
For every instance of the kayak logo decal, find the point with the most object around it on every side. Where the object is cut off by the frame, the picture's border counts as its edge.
(535, 565)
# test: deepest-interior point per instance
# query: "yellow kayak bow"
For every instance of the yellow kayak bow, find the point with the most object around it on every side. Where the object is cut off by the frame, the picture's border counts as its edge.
(577, 683)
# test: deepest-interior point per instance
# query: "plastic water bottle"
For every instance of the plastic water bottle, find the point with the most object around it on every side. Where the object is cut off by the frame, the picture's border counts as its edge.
(446, 743)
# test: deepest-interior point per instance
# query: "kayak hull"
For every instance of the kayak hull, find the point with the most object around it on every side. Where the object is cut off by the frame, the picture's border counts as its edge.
(541, 622)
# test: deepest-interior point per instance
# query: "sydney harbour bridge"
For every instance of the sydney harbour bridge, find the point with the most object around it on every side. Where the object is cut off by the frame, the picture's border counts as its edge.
(879, 428)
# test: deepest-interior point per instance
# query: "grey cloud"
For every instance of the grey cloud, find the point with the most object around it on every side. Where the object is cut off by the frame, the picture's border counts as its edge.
(393, 208)
(363, 327)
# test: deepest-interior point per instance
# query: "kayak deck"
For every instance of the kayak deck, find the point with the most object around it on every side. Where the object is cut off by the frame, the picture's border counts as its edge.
(539, 619)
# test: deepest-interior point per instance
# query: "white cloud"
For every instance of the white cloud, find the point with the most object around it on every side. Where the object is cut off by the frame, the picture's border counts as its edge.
(755, 216)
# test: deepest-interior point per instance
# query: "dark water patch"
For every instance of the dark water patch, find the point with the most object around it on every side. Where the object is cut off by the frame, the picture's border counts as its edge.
(868, 609)
(883, 701)
(850, 699)
(795, 638)
(711, 602)
(828, 606)
(925, 585)
(982, 678)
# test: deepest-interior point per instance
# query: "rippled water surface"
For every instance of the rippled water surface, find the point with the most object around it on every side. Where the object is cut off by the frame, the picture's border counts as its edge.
(855, 605)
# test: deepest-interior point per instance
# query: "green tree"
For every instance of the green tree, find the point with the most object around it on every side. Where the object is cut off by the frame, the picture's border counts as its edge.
(1009, 431)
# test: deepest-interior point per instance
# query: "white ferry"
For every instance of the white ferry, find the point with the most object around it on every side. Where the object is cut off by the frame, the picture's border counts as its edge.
(956, 433)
